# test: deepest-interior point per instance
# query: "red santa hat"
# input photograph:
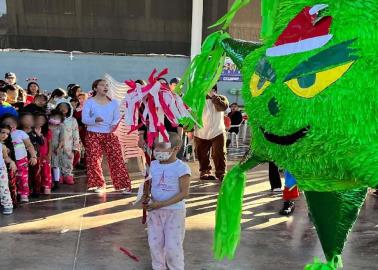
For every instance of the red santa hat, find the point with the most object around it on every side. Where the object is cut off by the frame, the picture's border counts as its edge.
(306, 32)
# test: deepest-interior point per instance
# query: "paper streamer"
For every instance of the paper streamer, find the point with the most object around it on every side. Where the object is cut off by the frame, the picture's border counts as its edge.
(128, 253)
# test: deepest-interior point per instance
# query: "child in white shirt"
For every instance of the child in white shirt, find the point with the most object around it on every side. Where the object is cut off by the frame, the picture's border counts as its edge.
(166, 219)
(22, 146)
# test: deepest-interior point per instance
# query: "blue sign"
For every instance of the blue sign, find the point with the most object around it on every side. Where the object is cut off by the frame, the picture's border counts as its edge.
(230, 72)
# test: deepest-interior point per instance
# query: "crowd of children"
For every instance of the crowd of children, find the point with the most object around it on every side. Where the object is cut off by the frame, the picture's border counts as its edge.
(40, 138)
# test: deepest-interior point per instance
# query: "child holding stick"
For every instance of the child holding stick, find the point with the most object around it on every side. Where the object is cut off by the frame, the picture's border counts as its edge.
(166, 219)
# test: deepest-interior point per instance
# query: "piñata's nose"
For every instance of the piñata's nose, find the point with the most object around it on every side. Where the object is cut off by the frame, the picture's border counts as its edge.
(273, 106)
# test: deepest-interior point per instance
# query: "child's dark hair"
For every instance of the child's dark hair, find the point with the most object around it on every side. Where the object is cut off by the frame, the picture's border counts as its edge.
(74, 100)
(8, 115)
(4, 126)
(57, 93)
(45, 127)
(22, 115)
(10, 87)
(41, 96)
(56, 112)
(28, 88)
(141, 82)
(69, 113)
(72, 89)
(2, 84)
(163, 80)
(8, 141)
(95, 84)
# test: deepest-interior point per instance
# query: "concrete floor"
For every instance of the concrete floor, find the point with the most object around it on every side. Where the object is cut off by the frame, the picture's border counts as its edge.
(77, 230)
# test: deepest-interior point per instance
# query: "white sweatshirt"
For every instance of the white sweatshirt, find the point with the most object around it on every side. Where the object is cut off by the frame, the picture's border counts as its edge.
(108, 112)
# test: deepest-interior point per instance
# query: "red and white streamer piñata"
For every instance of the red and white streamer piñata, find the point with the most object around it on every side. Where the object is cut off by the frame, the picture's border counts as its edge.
(147, 105)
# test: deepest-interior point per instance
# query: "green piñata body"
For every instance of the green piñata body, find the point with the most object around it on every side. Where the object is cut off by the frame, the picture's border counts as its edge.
(311, 94)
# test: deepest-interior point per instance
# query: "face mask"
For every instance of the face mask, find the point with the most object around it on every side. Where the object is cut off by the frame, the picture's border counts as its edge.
(54, 122)
(162, 156)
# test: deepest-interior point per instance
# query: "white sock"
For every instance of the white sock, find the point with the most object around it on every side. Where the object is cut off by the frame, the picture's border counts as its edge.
(56, 174)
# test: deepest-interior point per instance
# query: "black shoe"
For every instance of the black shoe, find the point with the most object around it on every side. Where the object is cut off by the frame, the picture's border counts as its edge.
(209, 177)
(35, 195)
(56, 186)
(288, 208)
(80, 166)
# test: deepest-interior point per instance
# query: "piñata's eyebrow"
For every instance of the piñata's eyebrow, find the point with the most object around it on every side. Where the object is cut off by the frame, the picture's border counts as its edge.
(335, 55)
(265, 70)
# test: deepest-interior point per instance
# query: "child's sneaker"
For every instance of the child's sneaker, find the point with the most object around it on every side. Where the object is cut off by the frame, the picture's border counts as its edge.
(100, 190)
(7, 211)
(68, 180)
(47, 191)
(126, 191)
(24, 199)
(288, 208)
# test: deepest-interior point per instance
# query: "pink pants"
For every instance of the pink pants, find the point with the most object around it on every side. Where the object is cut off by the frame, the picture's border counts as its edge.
(46, 173)
(166, 232)
(22, 176)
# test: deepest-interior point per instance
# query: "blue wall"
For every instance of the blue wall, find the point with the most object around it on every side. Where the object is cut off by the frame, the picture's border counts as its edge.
(55, 70)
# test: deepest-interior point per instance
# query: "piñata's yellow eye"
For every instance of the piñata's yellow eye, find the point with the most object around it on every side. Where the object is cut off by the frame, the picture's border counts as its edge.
(310, 85)
(258, 85)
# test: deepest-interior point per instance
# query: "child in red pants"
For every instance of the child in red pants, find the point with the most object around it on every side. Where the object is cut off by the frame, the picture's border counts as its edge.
(45, 152)
(290, 194)
(82, 128)
(22, 146)
(26, 122)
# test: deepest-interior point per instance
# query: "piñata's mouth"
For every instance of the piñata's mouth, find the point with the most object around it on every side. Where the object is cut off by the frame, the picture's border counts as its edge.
(287, 139)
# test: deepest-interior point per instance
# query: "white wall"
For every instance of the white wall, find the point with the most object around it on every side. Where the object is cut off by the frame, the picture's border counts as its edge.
(55, 70)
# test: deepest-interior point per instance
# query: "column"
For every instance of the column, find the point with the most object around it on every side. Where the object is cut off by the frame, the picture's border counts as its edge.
(197, 17)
